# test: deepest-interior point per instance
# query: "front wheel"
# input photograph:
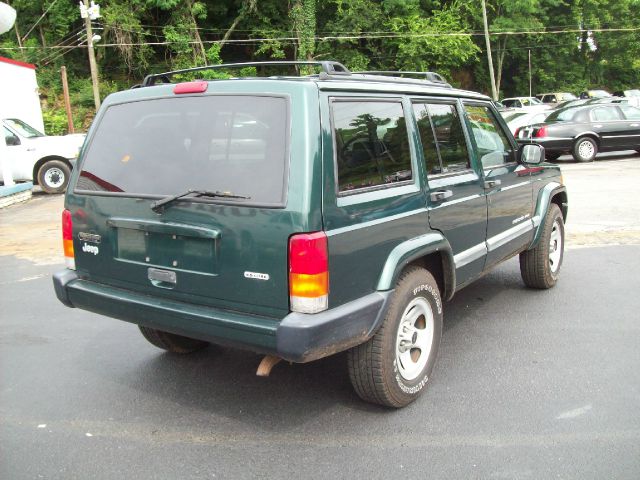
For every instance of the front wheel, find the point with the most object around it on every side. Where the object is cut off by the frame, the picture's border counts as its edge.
(393, 367)
(53, 176)
(585, 149)
(540, 266)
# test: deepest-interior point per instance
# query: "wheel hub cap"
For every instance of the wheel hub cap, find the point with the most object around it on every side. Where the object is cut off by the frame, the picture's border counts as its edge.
(414, 338)
(585, 149)
(555, 247)
(54, 177)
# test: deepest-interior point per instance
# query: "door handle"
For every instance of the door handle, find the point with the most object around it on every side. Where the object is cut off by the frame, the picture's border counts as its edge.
(440, 195)
(30, 149)
(492, 183)
(634, 125)
(598, 126)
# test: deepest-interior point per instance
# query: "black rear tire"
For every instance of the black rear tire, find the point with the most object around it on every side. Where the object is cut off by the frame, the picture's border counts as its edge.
(537, 268)
(171, 342)
(53, 176)
(585, 149)
(376, 368)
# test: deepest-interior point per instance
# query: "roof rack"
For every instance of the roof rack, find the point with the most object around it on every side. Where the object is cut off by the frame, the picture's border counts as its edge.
(328, 67)
(431, 76)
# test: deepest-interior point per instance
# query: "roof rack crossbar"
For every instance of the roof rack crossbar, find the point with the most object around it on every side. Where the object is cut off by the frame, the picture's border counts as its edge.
(433, 76)
(327, 66)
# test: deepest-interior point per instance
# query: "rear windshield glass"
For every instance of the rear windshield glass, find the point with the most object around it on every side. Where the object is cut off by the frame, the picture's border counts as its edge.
(225, 143)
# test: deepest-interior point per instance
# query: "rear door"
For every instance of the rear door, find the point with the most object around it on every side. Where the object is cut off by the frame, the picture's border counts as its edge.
(506, 183)
(456, 197)
(632, 121)
(225, 252)
(608, 121)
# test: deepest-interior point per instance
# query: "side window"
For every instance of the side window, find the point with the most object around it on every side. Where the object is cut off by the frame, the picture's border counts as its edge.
(372, 144)
(549, 99)
(491, 143)
(429, 148)
(10, 138)
(509, 103)
(631, 113)
(449, 136)
(605, 114)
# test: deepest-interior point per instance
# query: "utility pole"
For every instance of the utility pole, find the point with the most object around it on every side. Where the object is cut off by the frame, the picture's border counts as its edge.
(91, 13)
(530, 89)
(67, 102)
(486, 37)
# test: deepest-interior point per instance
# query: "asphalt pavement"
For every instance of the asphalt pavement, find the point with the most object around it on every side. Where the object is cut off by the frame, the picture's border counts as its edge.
(529, 384)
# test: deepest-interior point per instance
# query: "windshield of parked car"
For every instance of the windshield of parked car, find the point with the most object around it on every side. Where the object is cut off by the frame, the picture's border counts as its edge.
(562, 115)
(599, 93)
(225, 143)
(528, 101)
(510, 116)
(24, 129)
(567, 96)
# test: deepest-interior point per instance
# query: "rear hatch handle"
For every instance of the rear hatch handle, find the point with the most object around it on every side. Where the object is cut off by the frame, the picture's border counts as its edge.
(158, 205)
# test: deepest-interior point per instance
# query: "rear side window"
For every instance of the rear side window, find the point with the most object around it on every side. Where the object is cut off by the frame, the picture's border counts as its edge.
(604, 114)
(631, 113)
(372, 144)
(227, 143)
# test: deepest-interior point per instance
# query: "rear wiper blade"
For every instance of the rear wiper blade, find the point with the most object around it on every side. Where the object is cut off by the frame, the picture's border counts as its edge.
(158, 205)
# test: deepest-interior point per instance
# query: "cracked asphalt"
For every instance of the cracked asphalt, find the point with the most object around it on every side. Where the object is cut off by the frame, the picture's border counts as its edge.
(529, 384)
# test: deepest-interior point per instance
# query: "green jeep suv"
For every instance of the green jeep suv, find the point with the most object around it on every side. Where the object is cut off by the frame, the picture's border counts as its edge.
(301, 216)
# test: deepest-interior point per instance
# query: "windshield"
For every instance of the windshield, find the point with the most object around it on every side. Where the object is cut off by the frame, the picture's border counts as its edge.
(226, 143)
(24, 129)
(562, 115)
(568, 96)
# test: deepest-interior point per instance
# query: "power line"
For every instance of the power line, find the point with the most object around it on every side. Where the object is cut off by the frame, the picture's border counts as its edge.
(38, 21)
(360, 37)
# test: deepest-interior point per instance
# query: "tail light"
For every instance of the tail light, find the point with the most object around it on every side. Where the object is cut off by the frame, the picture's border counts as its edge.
(515, 134)
(67, 239)
(308, 272)
(541, 132)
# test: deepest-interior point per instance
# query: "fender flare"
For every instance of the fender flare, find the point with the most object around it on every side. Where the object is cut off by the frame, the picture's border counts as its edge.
(545, 195)
(413, 249)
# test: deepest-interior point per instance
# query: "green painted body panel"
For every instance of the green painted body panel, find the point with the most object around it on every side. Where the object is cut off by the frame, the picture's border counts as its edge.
(411, 250)
(209, 244)
(544, 194)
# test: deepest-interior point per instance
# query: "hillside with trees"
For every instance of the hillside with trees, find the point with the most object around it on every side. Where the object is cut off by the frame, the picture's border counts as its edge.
(573, 45)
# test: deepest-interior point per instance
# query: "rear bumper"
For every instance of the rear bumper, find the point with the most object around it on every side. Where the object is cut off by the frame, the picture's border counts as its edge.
(297, 337)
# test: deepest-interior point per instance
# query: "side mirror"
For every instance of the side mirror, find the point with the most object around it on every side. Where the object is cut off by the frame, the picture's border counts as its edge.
(531, 153)
(11, 140)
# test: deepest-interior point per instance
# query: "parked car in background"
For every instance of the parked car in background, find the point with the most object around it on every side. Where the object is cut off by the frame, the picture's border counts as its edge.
(45, 160)
(594, 94)
(527, 103)
(632, 96)
(555, 98)
(586, 130)
(592, 101)
(518, 118)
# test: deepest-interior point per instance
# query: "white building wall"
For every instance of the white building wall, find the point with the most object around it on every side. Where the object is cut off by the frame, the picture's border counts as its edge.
(19, 93)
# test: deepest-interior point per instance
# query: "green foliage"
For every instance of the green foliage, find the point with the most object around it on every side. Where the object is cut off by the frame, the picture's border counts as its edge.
(55, 121)
(144, 36)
